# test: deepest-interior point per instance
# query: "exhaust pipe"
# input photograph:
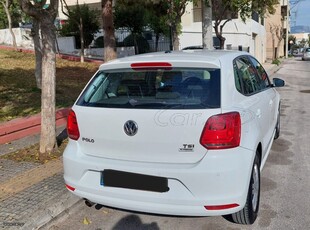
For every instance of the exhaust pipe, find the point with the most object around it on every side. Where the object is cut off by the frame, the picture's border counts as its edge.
(89, 203)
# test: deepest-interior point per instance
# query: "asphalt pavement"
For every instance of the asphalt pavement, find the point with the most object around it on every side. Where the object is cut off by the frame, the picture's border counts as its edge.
(31, 194)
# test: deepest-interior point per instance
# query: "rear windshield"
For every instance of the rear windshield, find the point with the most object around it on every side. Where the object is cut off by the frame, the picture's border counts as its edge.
(181, 88)
(308, 50)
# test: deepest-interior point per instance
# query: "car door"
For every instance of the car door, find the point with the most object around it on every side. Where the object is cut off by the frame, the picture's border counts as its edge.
(270, 95)
(249, 84)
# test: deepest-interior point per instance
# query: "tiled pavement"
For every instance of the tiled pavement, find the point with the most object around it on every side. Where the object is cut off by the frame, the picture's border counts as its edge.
(8, 169)
(18, 208)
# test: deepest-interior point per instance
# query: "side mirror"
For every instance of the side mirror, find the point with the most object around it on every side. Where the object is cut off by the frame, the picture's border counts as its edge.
(277, 82)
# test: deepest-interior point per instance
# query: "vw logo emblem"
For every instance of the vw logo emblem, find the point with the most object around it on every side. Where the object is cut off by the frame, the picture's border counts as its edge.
(130, 128)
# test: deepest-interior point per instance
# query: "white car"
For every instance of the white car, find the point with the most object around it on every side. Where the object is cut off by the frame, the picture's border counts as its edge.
(176, 133)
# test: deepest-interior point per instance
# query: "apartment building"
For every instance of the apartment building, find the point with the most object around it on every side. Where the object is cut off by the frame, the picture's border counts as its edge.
(249, 35)
(277, 28)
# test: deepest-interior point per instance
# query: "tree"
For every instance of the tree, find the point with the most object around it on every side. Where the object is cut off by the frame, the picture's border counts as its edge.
(276, 31)
(82, 22)
(6, 5)
(175, 12)
(157, 18)
(302, 43)
(35, 33)
(280, 33)
(224, 10)
(132, 15)
(45, 17)
(109, 30)
(207, 37)
(16, 15)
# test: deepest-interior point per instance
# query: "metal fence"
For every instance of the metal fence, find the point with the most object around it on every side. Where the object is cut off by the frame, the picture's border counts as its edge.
(145, 42)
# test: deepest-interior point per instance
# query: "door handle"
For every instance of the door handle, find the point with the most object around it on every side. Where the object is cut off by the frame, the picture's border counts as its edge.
(258, 113)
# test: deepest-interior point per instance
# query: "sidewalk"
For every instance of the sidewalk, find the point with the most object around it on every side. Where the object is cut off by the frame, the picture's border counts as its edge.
(32, 194)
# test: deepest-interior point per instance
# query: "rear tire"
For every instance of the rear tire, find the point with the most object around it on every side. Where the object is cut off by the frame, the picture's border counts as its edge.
(248, 214)
(277, 134)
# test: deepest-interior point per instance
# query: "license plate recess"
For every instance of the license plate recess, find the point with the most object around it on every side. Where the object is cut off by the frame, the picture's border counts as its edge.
(121, 179)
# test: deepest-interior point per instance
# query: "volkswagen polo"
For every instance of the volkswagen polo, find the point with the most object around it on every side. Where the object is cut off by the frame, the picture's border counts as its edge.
(177, 133)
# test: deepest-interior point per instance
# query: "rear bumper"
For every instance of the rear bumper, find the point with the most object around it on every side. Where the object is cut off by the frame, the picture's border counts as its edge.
(220, 178)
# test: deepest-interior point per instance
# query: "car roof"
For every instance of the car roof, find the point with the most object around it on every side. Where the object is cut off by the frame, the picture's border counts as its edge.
(184, 58)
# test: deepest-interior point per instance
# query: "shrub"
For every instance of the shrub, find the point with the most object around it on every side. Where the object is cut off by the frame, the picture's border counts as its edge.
(276, 62)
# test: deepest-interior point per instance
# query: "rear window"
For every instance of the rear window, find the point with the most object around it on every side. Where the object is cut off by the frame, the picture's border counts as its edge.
(308, 50)
(179, 88)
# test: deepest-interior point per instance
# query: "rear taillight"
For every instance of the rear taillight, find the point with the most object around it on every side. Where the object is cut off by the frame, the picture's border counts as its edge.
(70, 187)
(72, 126)
(222, 131)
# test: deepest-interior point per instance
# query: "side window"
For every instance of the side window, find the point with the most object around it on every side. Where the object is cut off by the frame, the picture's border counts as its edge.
(246, 78)
(263, 77)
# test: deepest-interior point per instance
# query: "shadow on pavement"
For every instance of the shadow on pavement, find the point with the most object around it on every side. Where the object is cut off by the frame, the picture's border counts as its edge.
(134, 222)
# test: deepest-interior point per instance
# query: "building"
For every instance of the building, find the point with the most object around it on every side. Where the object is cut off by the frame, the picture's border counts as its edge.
(276, 30)
(249, 35)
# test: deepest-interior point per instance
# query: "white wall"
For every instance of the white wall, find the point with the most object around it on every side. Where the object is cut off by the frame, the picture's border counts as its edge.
(22, 36)
(67, 45)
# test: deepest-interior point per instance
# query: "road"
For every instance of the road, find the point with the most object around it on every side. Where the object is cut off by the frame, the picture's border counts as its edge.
(285, 199)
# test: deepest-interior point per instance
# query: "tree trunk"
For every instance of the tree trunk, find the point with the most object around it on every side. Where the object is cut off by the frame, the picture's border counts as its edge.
(156, 42)
(175, 37)
(222, 42)
(134, 36)
(207, 38)
(279, 33)
(218, 34)
(109, 31)
(46, 18)
(48, 126)
(82, 39)
(38, 52)
(8, 15)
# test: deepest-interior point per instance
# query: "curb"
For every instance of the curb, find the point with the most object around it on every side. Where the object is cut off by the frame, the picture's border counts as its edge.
(51, 209)
(22, 127)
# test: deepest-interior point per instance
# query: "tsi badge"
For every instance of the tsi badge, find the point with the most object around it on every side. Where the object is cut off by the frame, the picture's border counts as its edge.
(187, 148)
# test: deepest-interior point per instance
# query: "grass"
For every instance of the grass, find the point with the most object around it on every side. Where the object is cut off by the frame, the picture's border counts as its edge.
(19, 95)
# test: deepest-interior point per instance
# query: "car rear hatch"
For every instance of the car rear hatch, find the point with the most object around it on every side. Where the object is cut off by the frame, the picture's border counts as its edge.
(151, 112)
(167, 136)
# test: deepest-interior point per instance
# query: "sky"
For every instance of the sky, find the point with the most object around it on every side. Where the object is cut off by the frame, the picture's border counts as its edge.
(302, 10)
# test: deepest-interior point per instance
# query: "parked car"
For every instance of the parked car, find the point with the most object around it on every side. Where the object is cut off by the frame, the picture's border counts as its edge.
(176, 133)
(306, 54)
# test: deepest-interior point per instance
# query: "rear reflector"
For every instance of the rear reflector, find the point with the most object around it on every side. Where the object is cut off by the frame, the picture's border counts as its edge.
(220, 207)
(70, 188)
(222, 131)
(72, 126)
(151, 65)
